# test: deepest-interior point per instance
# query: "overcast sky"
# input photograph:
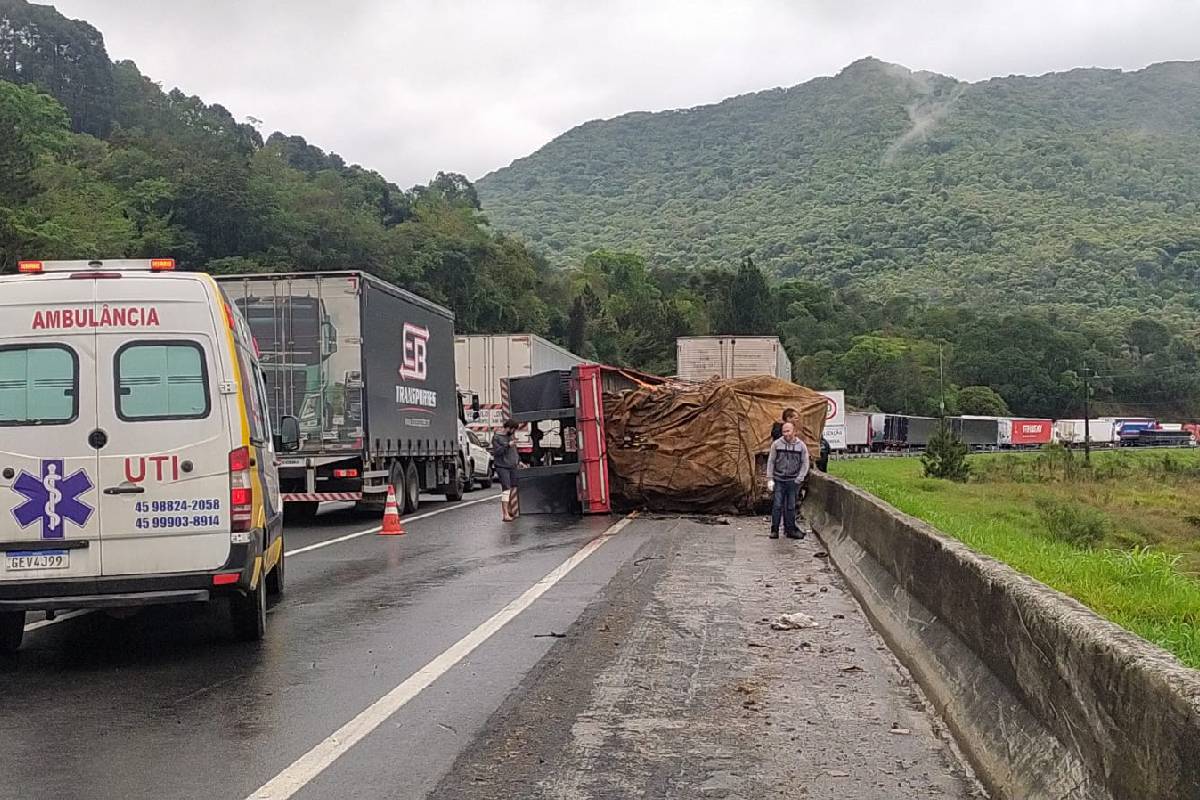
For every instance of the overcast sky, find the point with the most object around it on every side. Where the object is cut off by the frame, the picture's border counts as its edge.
(410, 88)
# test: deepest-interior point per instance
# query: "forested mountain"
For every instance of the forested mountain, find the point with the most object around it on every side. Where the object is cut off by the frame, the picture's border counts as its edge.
(96, 160)
(894, 197)
(1074, 188)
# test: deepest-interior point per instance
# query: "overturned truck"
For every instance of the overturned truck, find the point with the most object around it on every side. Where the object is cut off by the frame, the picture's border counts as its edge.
(691, 447)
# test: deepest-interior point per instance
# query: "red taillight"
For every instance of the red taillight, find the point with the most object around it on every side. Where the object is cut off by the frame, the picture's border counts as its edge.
(225, 578)
(345, 473)
(162, 264)
(241, 495)
(29, 267)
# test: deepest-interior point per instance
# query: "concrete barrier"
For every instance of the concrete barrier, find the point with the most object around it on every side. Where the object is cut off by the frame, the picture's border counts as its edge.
(1046, 699)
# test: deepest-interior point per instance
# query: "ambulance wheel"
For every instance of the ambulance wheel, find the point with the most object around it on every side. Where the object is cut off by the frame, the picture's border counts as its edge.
(249, 612)
(275, 576)
(458, 480)
(12, 631)
(297, 512)
(412, 489)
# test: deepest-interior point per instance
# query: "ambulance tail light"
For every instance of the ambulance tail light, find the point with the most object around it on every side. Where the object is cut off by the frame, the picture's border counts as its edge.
(162, 264)
(241, 495)
(30, 267)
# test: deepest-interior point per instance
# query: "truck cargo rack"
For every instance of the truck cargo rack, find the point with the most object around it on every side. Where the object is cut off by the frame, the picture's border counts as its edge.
(573, 477)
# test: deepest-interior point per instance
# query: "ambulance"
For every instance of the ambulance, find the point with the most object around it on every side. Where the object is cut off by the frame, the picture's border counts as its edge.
(137, 458)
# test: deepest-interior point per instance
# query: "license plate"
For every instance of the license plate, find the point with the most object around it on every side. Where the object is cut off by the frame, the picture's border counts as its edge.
(39, 559)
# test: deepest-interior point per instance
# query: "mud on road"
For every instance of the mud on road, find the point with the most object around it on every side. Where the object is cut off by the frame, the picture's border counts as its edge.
(675, 684)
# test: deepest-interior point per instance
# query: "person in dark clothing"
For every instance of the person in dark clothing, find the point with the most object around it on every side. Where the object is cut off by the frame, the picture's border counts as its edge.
(823, 458)
(789, 415)
(787, 466)
(505, 460)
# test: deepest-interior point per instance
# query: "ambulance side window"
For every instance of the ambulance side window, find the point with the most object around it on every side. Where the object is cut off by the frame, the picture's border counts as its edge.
(252, 397)
(260, 386)
(39, 385)
(161, 380)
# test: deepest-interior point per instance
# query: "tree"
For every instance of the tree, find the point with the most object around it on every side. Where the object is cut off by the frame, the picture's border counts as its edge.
(945, 456)
(33, 126)
(1147, 335)
(577, 324)
(981, 401)
(750, 308)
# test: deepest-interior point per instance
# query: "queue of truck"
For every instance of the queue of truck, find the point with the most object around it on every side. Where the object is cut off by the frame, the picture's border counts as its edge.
(873, 432)
(160, 426)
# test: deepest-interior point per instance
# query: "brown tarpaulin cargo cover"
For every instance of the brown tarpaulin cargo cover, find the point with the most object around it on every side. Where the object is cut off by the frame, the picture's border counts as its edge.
(701, 447)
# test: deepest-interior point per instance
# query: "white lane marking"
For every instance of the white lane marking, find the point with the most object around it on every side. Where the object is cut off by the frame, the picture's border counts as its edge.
(307, 767)
(33, 626)
(368, 531)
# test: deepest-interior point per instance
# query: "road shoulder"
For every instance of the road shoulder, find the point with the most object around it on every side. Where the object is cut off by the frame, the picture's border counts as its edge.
(674, 684)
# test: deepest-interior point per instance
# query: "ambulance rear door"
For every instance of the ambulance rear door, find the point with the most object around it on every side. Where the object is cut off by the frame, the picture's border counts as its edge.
(164, 470)
(49, 523)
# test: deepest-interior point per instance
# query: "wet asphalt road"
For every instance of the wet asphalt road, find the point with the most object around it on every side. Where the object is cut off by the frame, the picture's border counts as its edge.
(165, 704)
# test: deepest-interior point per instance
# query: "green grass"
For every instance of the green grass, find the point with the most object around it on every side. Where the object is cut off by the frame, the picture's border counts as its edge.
(1140, 575)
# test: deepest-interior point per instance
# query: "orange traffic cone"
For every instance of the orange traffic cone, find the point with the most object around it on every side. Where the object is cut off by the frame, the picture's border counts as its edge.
(392, 526)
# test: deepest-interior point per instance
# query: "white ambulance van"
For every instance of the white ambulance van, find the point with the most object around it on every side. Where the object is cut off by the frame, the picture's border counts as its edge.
(137, 461)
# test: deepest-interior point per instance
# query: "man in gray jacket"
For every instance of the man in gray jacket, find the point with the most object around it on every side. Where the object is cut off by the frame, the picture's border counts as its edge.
(787, 466)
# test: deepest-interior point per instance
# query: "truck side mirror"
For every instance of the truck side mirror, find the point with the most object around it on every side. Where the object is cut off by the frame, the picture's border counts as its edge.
(328, 339)
(289, 435)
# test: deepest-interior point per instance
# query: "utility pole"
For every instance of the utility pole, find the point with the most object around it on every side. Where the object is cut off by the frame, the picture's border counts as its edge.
(1087, 425)
(941, 385)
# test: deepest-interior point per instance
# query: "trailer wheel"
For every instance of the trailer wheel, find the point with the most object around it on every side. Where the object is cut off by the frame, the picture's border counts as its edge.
(458, 480)
(412, 489)
(12, 631)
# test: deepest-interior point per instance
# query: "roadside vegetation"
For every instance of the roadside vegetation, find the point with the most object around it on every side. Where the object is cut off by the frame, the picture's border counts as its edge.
(1121, 536)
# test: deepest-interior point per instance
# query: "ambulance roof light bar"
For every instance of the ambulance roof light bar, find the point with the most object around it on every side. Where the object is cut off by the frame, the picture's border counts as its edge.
(116, 264)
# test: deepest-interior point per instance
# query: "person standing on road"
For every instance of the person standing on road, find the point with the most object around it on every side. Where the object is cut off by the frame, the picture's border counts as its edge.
(789, 415)
(506, 459)
(787, 466)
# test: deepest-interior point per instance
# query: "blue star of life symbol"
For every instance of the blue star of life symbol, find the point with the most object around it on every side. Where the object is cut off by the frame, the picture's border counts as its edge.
(53, 499)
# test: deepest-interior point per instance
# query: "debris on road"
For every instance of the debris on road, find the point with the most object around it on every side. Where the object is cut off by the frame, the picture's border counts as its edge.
(550, 635)
(793, 622)
(677, 709)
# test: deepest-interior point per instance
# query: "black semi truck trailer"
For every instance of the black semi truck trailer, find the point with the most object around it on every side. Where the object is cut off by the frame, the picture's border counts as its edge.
(368, 369)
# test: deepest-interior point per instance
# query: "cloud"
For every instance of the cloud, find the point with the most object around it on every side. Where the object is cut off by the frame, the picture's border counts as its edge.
(926, 112)
(410, 88)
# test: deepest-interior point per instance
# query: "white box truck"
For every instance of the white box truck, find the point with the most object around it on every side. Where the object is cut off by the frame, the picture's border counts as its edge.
(858, 431)
(700, 358)
(1070, 431)
(481, 361)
